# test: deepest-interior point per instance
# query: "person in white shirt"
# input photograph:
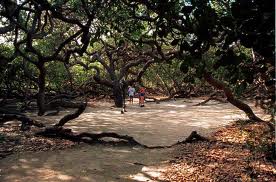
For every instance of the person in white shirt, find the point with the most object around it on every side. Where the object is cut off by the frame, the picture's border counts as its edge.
(131, 92)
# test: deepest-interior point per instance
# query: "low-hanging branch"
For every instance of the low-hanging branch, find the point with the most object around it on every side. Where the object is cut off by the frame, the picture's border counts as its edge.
(230, 98)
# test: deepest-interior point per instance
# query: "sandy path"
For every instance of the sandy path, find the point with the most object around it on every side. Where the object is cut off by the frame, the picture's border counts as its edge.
(155, 124)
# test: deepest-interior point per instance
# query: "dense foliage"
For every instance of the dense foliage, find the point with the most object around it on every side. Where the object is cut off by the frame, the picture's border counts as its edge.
(57, 46)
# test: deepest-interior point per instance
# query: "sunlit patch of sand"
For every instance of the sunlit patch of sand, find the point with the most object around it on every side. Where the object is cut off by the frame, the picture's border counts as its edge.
(158, 124)
(148, 174)
(155, 124)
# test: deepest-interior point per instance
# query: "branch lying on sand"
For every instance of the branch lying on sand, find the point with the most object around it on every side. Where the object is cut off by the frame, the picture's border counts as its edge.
(170, 97)
(209, 99)
(159, 100)
(92, 138)
(193, 137)
(58, 131)
(72, 116)
(26, 122)
(85, 137)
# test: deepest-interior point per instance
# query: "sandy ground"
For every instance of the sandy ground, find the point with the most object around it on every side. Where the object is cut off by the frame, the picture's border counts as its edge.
(155, 124)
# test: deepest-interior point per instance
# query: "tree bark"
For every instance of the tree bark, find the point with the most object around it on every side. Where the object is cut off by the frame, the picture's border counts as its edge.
(41, 90)
(193, 137)
(92, 138)
(211, 98)
(230, 98)
(26, 122)
(118, 95)
(89, 138)
(72, 116)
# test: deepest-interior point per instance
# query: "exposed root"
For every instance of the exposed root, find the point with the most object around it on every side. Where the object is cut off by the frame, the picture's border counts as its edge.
(8, 111)
(159, 100)
(92, 138)
(85, 137)
(63, 96)
(65, 104)
(4, 153)
(72, 116)
(57, 131)
(193, 137)
(26, 122)
(209, 99)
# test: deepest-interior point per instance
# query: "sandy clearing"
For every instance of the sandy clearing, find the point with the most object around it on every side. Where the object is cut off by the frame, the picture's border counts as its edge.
(155, 124)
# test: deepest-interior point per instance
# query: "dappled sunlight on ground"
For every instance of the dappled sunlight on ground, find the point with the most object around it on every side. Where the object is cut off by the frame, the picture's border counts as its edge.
(85, 164)
(149, 174)
(155, 124)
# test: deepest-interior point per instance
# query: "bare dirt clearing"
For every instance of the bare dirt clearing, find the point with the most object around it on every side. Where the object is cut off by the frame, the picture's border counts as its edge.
(155, 124)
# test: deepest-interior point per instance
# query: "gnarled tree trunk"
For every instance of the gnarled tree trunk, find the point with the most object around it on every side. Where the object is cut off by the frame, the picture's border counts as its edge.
(41, 90)
(118, 95)
(230, 98)
(26, 122)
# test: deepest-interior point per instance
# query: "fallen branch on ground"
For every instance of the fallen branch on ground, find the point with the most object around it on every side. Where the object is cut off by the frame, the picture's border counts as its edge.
(159, 100)
(193, 137)
(26, 122)
(57, 131)
(63, 96)
(92, 138)
(7, 111)
(85, 137)
(72, 116)
(4, 154)
(209, 99)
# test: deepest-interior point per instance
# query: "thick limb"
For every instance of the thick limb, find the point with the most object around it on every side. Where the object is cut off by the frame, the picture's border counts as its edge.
(26, 122)
(230, 98)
